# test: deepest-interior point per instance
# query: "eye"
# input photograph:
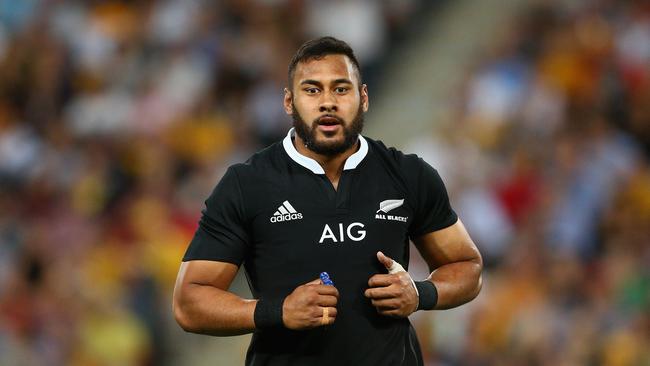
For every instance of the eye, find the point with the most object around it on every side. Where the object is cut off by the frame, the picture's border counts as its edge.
(311, 90)
(341, 90)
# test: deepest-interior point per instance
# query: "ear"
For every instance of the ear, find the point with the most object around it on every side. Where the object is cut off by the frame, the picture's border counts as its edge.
(288, 107)
(365, 102)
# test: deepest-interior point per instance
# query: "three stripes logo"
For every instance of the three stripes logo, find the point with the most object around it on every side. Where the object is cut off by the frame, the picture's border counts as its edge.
(286, 212)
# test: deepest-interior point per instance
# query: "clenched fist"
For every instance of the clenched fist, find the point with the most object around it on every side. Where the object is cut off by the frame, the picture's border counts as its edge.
(310, 305)
(393, 294)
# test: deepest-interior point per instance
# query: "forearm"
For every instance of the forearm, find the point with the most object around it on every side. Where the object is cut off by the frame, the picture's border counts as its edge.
(208, 310)
(457, 283)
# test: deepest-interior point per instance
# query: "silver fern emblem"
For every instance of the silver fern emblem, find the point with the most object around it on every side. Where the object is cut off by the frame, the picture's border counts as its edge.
(385, 206)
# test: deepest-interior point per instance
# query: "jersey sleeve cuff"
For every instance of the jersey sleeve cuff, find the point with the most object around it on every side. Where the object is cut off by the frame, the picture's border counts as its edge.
(452, 219)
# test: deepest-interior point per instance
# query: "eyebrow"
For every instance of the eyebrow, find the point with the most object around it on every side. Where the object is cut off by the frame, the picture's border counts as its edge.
(319, 84)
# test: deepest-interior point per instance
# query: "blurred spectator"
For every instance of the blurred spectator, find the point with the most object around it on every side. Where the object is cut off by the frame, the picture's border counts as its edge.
(560, 205)
(116, 119)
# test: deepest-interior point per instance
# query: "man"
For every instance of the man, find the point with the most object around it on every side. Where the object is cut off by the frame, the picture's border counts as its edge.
(326, 199)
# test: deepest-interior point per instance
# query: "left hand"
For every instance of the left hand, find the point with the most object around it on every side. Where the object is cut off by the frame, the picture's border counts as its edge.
(392, 294)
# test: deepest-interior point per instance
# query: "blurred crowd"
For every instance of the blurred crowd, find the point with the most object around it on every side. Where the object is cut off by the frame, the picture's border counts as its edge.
(117, 118)
(547, 163)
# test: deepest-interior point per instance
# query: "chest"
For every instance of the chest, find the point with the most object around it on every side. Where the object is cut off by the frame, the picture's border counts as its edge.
(302, 224)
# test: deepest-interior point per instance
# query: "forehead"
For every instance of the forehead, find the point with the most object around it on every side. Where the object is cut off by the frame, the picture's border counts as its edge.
(325, 69)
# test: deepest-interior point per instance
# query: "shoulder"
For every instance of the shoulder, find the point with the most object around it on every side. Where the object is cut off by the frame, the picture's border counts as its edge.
(413, 173)
(241, 180)
(404, 163)
(266, 162)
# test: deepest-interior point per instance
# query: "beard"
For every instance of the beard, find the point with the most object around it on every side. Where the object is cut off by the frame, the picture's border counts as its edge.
(308, 133)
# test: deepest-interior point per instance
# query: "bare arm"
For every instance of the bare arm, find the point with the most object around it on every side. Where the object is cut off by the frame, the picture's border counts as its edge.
(455, 263)
(202, 303)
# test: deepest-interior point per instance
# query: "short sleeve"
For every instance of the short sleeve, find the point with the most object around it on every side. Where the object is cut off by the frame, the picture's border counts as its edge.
(433, 211)
(222, 234)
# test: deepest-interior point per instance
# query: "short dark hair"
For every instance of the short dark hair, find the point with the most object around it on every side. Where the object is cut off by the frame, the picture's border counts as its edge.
(319, 48)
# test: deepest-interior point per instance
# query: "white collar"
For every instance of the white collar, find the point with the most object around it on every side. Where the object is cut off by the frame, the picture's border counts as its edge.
(350, 163)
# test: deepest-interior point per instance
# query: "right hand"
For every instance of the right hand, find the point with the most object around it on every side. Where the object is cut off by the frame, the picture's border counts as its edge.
(304, 307)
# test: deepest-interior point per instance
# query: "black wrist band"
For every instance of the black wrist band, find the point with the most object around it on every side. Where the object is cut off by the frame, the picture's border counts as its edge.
(268, 313)
(428, 295)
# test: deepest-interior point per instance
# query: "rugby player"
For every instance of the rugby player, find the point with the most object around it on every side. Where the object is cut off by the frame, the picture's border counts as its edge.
(325, 199)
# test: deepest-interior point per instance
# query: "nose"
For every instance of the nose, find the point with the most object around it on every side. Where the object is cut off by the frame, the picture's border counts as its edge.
(328, 108)
(328, 104)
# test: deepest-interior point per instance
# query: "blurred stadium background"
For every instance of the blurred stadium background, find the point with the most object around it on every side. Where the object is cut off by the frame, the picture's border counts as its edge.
(118, 117)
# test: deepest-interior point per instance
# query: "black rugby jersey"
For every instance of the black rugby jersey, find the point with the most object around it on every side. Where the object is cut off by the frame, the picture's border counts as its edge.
(280, 216)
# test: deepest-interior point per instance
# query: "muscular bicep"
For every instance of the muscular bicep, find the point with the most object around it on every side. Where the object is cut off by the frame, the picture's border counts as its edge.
(449, 245)
(204, 273)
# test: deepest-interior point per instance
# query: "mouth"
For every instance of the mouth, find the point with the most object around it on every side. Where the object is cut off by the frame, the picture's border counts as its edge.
(328, 124)
(329, 121)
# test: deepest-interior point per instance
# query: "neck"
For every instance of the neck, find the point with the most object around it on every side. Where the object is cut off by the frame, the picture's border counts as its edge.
(332, 165)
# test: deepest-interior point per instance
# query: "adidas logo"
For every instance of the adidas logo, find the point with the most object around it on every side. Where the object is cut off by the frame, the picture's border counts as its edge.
(286, 212)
